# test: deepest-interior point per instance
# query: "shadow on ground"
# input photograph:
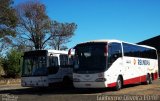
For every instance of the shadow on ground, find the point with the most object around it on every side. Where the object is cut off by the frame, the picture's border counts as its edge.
(60, 90)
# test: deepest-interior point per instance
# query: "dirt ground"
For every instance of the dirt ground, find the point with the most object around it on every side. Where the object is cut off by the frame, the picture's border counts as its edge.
(134, 92)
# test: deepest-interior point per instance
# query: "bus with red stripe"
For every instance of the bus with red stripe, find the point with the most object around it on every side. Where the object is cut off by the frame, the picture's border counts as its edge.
(113, 63)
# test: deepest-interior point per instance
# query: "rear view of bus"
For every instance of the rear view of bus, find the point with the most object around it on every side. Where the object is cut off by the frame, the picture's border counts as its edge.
(113, 63)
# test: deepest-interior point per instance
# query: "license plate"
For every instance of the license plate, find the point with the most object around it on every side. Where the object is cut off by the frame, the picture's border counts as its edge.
(87, 84)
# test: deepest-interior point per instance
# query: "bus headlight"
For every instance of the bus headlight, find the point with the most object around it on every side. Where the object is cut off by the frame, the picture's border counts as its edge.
(100, 80)
(76, 80)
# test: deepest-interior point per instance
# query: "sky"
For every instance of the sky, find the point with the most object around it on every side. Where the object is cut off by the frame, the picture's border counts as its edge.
(127, 20)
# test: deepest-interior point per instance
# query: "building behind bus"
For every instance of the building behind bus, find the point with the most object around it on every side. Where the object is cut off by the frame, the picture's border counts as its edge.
(154, 42)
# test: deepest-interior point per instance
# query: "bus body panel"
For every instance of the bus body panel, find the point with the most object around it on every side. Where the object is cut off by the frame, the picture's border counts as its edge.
(53, 61)
(131, 69)
(41, 81)
(59, 76)
(62, 71)
(88, 80)
(90, 84)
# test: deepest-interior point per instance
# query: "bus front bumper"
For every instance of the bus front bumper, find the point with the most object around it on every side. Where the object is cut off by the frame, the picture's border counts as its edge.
(34, 81)
(90, 84)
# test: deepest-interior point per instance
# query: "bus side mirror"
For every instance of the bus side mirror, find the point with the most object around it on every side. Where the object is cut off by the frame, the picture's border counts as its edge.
(51, 54)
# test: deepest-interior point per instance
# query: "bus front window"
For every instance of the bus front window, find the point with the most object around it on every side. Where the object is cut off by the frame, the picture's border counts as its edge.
(90, 57)
(34, 66)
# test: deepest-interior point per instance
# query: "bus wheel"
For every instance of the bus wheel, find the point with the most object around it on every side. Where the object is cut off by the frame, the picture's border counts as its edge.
(119, 84)
(149, 79)
(67, 82)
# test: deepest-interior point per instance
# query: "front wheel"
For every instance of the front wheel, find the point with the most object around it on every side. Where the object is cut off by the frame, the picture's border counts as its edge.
(119, 84)
(67, 82)
(149, 79)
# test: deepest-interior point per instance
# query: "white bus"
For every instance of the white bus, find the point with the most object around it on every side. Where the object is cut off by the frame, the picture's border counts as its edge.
(42, 68)
(113, 63)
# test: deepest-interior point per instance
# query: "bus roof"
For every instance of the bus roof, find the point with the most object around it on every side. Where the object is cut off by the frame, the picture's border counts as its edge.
(50, 51)
(101, 40)
(58, 51)
(113, 40)
(147, 46)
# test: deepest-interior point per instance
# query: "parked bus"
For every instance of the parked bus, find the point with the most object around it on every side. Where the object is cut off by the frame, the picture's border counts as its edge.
(42, 68)
(113, 63)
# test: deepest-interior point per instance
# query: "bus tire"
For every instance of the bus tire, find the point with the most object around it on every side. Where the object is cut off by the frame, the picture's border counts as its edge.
(119, 84)
(67, 82)
(148, 79)
(151, 79)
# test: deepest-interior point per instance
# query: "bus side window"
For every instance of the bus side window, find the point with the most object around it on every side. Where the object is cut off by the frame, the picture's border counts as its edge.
(53, 61)
(63, 61)
(71, 61)
(115, 51)
(53, 65)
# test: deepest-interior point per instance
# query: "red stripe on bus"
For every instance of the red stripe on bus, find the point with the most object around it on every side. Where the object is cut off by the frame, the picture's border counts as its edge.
(155, 75)
(112, 84)
(134, 80)
(130, 81)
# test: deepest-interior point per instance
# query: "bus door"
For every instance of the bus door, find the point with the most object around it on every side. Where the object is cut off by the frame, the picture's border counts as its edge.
(54, 68)
(115, 59)
(66, 69)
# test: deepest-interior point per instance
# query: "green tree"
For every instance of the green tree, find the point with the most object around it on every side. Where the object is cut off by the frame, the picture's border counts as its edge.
(11, 64)
(61, 34)
(8, 22)
(1, 68)
(34, 24)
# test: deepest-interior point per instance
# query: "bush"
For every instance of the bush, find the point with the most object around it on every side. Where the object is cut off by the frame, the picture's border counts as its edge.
(11, 64)
(1, 68)
(1, 71)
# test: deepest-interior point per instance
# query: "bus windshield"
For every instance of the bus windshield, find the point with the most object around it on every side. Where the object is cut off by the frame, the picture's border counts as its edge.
(34, 65)
(90, 57)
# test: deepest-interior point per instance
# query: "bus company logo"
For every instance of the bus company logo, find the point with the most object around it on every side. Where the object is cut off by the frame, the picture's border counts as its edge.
(143, 62)
(134, 61)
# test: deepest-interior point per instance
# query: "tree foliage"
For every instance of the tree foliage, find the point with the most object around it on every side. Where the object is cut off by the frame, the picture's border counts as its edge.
(61, 34)
(8, 22)
(11, 63)
(8, 19)
(1, 67)
(22, 45)
(33, 29)
(34, 24)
